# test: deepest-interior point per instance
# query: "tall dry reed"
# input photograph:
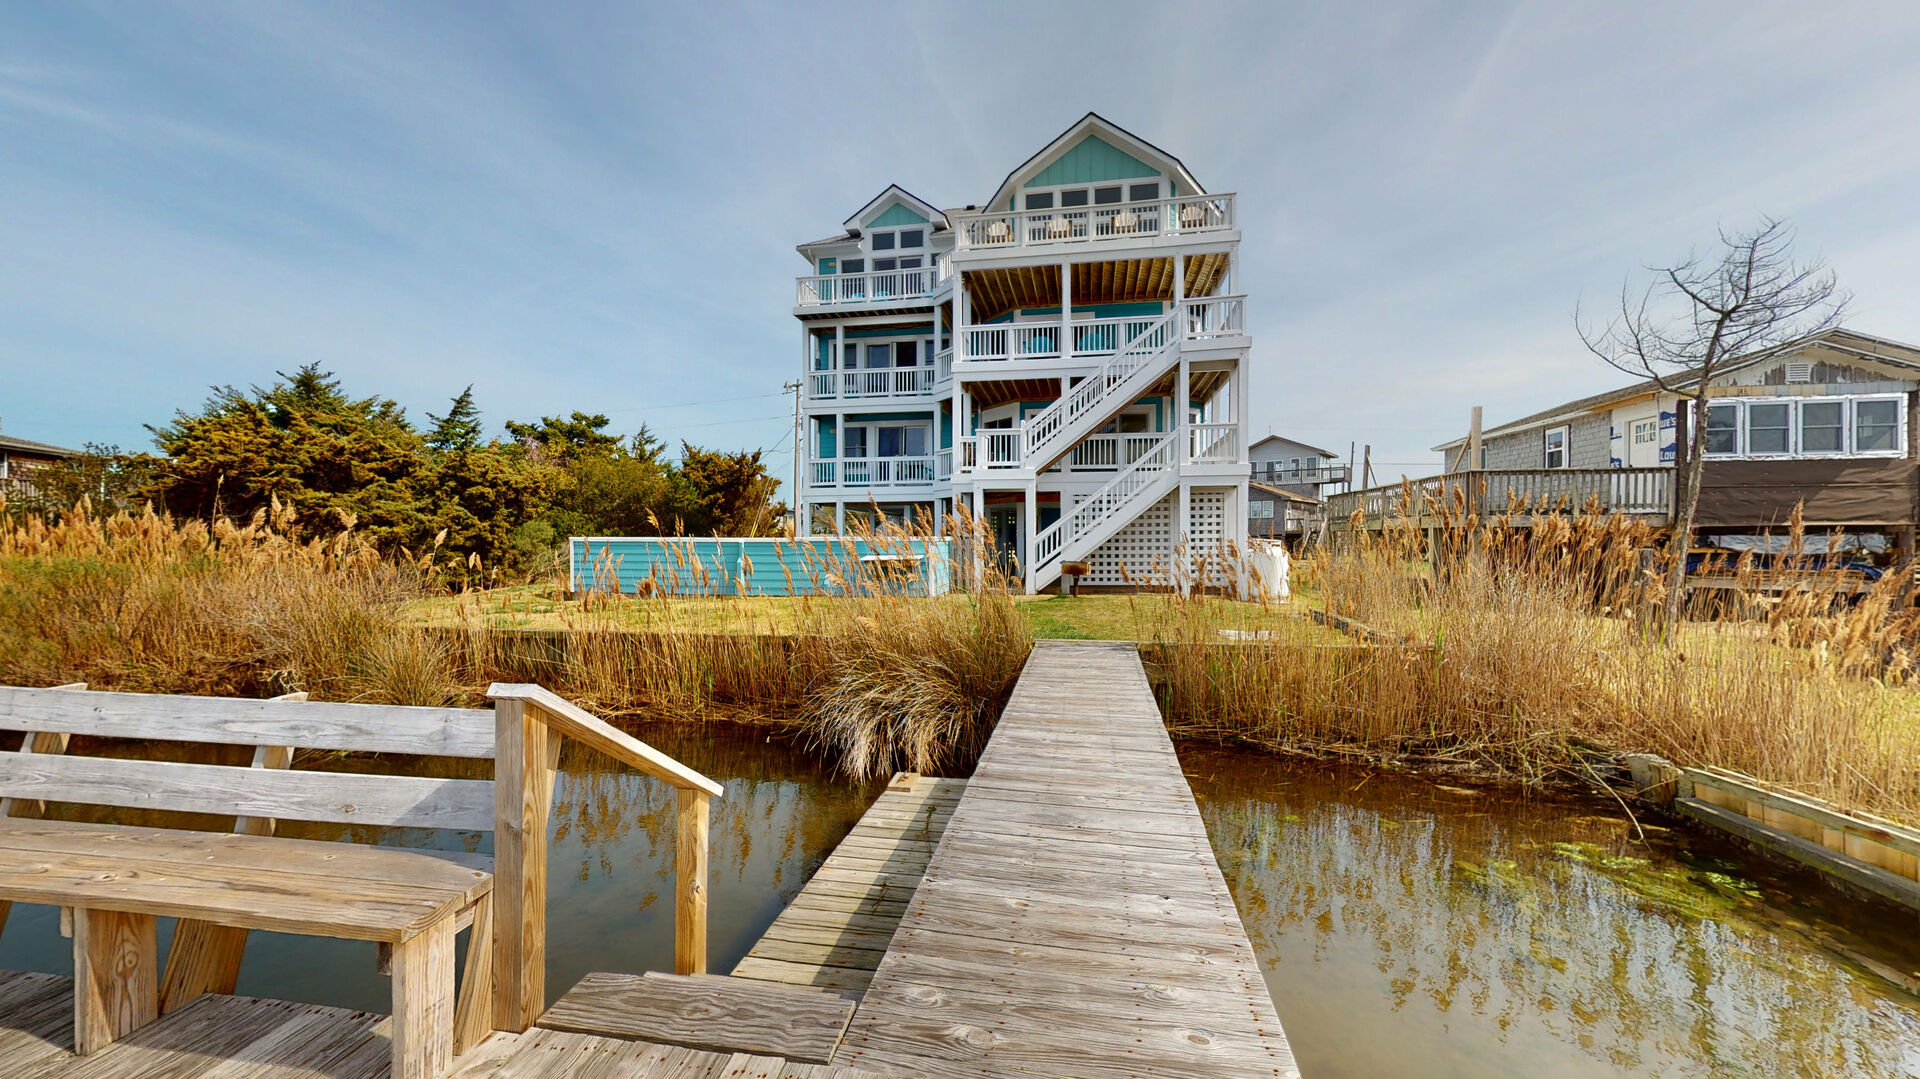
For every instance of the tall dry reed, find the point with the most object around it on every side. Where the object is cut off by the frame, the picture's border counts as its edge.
(1532, 650)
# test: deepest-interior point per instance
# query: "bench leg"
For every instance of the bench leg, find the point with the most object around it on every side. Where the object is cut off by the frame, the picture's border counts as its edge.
(423, 1003)
(473, 1015)
(204, 958)
(115, 976)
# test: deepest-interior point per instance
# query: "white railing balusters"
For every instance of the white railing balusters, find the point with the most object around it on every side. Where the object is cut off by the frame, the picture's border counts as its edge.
(1117, 222)
(878, 286)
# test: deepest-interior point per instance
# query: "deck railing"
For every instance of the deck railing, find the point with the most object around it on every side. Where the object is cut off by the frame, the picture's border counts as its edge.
(1272, 472)
(881, 382)
(879, 286)
(1638, 491)
(1116, 223)
(1213, 443)
(876, 472)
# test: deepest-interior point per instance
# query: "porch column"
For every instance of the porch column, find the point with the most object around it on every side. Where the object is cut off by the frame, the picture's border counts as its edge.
(1179, 279)
(1066, 310)
(839, 380)
(962, 317)
(840, 518)
(1183, 560)
(1031, 530)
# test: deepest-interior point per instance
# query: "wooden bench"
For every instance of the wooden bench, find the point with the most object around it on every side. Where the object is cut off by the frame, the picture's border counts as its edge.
(116, 879)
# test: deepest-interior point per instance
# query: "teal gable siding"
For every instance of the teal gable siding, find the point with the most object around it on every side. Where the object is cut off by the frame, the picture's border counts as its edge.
(1092, 160)
(896, 215)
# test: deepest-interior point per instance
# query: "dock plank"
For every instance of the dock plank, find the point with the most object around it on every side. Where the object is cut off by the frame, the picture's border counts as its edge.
(737, 1015)
(1072, 919)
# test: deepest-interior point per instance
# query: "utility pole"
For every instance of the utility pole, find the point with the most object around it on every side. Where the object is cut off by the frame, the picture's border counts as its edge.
(1366, 467)
(794, 389)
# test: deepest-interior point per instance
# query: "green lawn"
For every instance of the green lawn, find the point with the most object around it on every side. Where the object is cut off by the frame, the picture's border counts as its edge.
(1096, 617)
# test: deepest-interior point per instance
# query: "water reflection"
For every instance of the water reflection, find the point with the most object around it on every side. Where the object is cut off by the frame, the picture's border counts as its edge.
(1409, 929)
(610, 867)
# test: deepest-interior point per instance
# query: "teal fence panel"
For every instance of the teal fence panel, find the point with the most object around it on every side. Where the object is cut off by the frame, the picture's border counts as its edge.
(809, 566)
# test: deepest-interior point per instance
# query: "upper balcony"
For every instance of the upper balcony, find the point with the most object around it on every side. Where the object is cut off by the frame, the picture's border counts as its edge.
(1273, 472)
(1122, 223)
(873, 289)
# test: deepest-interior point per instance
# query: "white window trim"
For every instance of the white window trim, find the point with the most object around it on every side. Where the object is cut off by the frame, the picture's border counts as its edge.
(1126, 190)
(924, 252)
(1565, 431)
(872, 438)
(1848, 420)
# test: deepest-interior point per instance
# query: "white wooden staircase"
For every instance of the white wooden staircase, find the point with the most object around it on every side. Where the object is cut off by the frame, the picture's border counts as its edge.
(1093, 521)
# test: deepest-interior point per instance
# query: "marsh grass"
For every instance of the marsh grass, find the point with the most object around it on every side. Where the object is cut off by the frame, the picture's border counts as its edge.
(1533, 652)
(877, 678)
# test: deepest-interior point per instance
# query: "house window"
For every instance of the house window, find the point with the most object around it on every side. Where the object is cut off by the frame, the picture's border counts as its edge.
(1557, 439)
(1143, 192)
(853, 266)
(1262, 511)
(1828, 426)
(1769, 429)
(1723, 430)
(855, 443)
(1876, 426)
(1042, 200)
(1646, 432)
(883, 241)
(1823, 427)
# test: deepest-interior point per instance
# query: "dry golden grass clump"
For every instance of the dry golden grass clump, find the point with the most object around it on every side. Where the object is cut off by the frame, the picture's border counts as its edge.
(1532, 650)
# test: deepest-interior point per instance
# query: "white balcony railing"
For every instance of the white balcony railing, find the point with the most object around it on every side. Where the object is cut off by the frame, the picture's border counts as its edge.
(1092, 339)
(1106, 453)
(1213, 443)
(881, 382)
(1121, 222)
(876, 472)
(880, 286)
(995, 448)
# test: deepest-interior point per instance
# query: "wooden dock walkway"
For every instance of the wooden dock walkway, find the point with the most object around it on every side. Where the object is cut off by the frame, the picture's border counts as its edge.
(1073, 920)
(836, 930)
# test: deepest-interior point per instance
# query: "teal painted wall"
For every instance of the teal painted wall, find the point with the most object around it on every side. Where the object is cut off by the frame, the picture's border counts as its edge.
(816, 565)
(829, 439)
(1092, 160)
(946, 430)
(896, 215)
(827, 265)
(1100, 310)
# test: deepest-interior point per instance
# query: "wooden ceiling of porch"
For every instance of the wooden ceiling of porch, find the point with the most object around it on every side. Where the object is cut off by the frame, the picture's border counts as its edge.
(996, 292)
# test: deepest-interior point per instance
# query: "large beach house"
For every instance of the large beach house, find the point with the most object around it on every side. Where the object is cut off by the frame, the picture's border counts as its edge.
(1066, 359)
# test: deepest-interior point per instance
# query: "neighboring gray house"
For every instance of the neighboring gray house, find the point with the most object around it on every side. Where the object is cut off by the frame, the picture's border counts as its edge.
(1289, 480)
(1828, 422)
(19, 459)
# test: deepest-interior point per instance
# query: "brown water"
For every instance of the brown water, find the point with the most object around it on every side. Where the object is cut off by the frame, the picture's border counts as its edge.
(1409, 930)
(610, 870)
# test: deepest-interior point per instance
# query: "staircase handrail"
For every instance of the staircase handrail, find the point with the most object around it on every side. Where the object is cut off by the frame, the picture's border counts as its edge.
(1053, 540)
(1042, 425)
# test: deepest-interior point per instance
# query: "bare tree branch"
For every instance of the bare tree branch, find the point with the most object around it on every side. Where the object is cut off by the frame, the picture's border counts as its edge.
(1698, 315)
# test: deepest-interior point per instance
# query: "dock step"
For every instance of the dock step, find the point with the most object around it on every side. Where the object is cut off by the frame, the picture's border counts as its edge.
(709, 1012)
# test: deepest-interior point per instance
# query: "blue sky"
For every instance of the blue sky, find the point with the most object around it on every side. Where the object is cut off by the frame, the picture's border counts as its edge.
(594, 207)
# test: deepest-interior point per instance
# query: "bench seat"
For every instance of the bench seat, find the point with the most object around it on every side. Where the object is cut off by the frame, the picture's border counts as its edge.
(308, 887)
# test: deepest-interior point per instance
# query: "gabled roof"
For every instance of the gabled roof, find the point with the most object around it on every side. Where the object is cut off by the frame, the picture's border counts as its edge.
(21, 445)
(1293, 441)
(894, 191)
(1094, 124)
(936, 218)
(1862, 345)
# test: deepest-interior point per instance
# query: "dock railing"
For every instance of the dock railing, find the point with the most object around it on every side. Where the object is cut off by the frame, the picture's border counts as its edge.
(530, 722)
(1645, 492)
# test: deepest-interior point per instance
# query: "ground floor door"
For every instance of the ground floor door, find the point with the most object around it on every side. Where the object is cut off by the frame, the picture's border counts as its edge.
(1003, 523)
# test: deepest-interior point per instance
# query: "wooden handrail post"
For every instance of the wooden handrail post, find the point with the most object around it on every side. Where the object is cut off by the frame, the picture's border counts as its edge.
(690, 884)
(525, 755)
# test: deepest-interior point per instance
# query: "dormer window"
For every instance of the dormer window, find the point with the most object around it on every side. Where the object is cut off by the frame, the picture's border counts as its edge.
(908, 241)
